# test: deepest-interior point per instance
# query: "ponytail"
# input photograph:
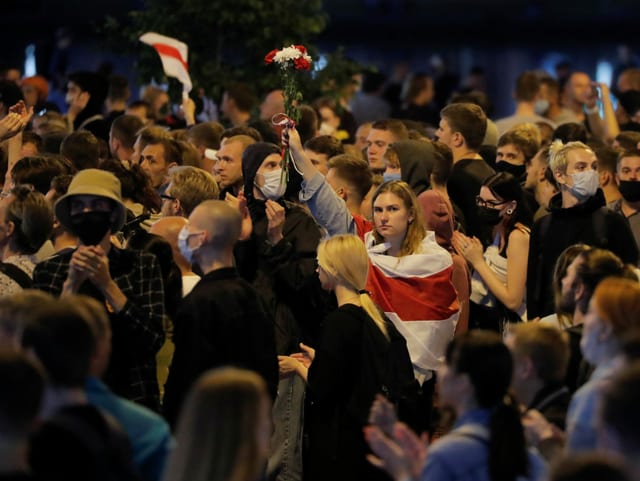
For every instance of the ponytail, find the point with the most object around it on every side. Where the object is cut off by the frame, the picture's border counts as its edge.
(508, 456)
(372, 311)
(345, 258)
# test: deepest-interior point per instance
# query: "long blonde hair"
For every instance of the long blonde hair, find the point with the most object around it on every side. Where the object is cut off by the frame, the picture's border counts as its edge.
(345, 258)
(416, 229)
(216, 438)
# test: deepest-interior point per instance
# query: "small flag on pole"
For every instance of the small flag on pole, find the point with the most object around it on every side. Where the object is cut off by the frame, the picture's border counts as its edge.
(173, 54)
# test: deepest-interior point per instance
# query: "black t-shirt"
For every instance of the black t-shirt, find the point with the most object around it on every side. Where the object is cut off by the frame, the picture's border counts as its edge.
(467, 176)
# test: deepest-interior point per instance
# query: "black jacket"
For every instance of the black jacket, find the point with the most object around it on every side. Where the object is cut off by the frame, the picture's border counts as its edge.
(588, 223)
(221, 322)
(284, 275)
(467, 176)
(342, 383)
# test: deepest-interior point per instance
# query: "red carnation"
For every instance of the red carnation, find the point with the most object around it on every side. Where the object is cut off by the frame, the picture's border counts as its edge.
(301, 49)
(301, 63)
(270, 56)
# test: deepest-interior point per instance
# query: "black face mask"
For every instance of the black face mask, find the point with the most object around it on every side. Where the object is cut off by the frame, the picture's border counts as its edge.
(91, 227)
(486, 215)
(516, 170)
(630, 190)
(164, 110)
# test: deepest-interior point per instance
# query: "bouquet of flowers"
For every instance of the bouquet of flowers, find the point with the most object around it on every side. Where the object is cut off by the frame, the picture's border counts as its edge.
(290, 60)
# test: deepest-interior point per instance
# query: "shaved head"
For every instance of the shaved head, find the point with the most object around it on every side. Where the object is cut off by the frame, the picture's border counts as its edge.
(221, 222)
(168, 228)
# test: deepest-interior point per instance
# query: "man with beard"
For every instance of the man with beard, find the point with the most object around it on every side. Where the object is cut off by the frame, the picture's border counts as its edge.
(628, 180)
(128, 282)
(583, 275)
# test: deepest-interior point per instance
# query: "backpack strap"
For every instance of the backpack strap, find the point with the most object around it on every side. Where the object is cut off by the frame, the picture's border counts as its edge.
(599, 219)
(545, 223)
(16, 274)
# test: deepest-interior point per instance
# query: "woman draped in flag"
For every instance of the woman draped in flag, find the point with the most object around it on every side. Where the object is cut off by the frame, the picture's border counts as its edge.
(500, 273)
(410, 275)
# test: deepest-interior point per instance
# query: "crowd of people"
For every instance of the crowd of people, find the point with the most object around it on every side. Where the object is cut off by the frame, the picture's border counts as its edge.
(421, 293)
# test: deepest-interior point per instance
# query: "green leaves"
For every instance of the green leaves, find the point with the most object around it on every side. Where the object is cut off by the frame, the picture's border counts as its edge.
(227, 39)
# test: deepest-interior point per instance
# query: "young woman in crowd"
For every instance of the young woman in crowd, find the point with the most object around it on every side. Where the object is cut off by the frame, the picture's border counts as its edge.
(224, 429)
(360, 344)
(410, 277)
(500, 272)
(487, 441)
(410, 274)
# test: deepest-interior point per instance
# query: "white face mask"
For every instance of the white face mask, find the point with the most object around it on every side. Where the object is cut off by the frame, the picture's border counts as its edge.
(274, 185)
(183, 245)
(326, 129)
(541, 106)
(585, 184)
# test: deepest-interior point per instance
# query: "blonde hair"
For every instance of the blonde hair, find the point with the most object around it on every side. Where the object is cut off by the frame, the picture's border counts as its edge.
(416, 229)
(191, 186)
(558, 154)
(215, 440)
(345, 258)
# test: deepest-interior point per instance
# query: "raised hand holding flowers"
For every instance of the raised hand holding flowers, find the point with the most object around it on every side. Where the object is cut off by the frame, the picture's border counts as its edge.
(289, 60)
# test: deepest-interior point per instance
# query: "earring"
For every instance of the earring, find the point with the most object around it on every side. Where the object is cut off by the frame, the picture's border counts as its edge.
(509, 211)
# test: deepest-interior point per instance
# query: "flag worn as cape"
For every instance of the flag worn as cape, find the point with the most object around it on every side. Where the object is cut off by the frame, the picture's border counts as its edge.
(416, 293)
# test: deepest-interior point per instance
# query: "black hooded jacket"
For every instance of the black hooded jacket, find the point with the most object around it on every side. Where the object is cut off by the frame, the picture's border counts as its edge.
(589, 222)
(283, 273)
(416, 163)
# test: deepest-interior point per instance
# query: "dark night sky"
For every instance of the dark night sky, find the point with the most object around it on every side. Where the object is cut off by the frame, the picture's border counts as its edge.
(489, 21)
(505, 36)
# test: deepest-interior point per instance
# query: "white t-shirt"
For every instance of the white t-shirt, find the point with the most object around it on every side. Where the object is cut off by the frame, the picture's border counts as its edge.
(188, 283)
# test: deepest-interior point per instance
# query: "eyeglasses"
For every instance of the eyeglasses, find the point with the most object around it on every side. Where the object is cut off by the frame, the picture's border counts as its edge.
(480, 202)
(167, 197)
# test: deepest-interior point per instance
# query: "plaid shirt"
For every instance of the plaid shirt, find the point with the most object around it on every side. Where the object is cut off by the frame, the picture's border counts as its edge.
(137, 332)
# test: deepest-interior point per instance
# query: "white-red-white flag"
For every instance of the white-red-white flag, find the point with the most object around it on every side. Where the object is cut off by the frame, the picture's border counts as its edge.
(417, 295)
(173, 54)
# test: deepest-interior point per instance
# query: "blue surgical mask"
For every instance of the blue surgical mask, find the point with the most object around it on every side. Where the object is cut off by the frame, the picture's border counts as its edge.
(541, 106)
(387, 176)
(585, 184)
(274, 185)
(183, 245)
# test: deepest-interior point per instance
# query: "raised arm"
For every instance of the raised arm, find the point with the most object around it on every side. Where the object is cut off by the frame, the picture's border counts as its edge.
(329, 210)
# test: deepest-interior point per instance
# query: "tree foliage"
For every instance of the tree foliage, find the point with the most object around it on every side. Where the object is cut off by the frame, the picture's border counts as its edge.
(227, 39)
